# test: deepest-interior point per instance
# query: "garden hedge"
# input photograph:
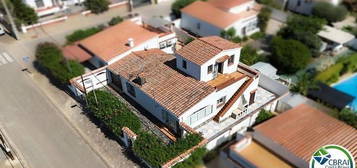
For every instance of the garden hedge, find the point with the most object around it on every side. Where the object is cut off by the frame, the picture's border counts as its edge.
(49, 56)
(112, 112)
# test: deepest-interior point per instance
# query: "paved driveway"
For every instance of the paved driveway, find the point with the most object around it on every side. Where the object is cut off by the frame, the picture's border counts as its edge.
(36, 126)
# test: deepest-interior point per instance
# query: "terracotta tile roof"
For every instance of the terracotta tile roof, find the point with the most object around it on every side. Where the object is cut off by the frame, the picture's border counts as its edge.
(303, 129)
(215, 16)
(173, 90)
(73, 52)
(227, 4)
(203, 49)
(112, 41)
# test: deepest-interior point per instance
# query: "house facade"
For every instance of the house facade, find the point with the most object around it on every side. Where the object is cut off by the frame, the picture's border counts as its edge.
(45, 7)
(212, 17)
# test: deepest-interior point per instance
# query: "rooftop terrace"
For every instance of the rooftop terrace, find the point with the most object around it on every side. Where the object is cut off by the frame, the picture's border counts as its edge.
(211, 129)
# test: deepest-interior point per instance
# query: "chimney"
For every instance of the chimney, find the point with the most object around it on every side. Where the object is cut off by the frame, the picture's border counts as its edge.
(131, 42)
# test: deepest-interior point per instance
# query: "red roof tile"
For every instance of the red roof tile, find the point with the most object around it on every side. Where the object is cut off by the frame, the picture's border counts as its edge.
(303, 130)
(173, 90)
(215, 16)
(203, 49)
(112, 41)
(73, 52)
(227, 4)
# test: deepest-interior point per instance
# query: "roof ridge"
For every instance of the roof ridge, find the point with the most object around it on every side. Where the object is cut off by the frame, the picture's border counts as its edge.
(210, 43)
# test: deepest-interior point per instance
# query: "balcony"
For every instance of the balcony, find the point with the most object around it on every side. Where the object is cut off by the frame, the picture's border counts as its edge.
(211, 129)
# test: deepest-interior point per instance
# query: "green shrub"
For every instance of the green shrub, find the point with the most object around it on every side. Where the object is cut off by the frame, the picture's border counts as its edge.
(194, 160)
(24, 13)
(97, 6)
(156, 153)
(257, 35)
(263, 116)
(115, 20)
(82, 34)
(178, 5)
(49, 56)
(289, 56)
(329, 12)
(263, 18)
(112, 112)
(342, 66)
(250, 56)
(349, 117)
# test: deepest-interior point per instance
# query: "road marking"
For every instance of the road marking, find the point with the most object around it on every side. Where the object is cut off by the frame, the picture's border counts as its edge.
(2, 59)
(7, 56)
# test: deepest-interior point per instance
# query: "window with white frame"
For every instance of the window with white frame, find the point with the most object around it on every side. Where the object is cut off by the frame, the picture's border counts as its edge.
(162, 45)
(198, 115)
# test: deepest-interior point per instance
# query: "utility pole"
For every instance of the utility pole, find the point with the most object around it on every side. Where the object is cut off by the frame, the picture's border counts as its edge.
(11, 20)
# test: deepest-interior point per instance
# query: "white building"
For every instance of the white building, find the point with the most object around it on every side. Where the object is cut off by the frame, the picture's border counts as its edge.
(211, 17)
(45, 7)
(305, 7)
(202, 86)
(116, 42)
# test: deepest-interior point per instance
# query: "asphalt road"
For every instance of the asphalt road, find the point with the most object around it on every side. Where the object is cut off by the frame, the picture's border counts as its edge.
(36, 126)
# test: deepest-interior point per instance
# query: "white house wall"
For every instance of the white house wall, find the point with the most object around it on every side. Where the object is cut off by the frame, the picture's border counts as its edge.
(189, 22)
(238, 26)
(32, 3)
(192, 69)
(226, 68)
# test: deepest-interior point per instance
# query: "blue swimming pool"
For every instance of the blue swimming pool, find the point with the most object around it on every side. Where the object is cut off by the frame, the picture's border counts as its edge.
(349, 86)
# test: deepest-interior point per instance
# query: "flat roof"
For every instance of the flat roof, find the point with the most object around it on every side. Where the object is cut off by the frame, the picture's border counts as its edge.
(113, 41)
(261, 157)
(304, 129)
(173, 90)
(211, 14)
(335, 35)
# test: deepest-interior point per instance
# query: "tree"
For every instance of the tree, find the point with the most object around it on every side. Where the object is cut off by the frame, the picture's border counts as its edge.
(23, 13)
(330, 12)
(263, 18)
(289, 55)
(229, 34)
(178, 5)
(304, 82)
(263, 116)
(97, 6)
(49, 56)
(304, 29)
(349, 117)
(115, 20)
(250, 56)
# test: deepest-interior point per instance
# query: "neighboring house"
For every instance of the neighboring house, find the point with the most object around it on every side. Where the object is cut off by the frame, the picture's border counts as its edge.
(266, 69)
(203, 86)
(334, 39)
(289, 140)
(306, 6)
(213, 16)
(45, 7)
(116, 42)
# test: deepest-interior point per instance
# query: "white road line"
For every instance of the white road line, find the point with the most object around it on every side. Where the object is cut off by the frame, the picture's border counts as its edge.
(7, 56)
(2, 59)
